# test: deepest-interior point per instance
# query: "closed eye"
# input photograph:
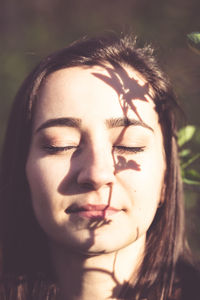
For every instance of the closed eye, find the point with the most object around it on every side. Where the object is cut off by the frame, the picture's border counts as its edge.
(50, 149)
(128, 150)
(54, 149)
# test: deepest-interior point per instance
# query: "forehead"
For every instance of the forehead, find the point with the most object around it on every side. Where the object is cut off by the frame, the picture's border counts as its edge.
(94, 93)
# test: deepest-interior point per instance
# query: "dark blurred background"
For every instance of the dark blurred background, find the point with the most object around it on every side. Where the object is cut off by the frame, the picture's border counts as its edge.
(30, 30)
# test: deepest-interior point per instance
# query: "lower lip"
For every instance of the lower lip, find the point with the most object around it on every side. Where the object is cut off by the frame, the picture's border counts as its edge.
(102, 214)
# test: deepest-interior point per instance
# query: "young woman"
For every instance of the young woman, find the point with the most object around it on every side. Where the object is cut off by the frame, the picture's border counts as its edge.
(91, 194)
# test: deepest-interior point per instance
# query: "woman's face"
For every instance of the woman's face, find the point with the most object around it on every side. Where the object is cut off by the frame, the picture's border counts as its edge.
(96, 163)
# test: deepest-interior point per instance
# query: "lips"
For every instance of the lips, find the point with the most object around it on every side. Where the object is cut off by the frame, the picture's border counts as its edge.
(91, 210)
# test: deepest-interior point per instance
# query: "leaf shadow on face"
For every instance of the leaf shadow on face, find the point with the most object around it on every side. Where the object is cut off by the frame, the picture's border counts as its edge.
(120, 289)
(128, 90)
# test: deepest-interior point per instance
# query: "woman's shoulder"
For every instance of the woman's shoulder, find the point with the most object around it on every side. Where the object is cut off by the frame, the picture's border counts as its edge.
(27, 288)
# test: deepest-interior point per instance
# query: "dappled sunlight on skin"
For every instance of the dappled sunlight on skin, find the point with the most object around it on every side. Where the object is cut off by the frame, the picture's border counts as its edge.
(123, 164)
(128, 88)
(120, 164)
(120, 287)
(98, 222)
(85, 159)
(128, 91)
(95, 223)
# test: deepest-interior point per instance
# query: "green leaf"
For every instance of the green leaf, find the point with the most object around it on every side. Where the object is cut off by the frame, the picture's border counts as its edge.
(197, 135)
(192, 174)
(190, 161)
(185, 134)
(194, 37)
(191, 182)
(182, 173)
(193, 40)
(184, 152)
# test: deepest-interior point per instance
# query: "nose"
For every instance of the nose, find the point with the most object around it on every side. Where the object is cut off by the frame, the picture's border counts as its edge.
(97, 169)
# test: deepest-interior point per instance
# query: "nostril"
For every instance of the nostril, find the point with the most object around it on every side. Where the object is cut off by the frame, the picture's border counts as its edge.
(95, 182)
(89, 186)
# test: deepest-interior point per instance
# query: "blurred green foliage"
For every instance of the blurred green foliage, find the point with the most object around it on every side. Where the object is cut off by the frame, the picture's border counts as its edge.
(188, 158)
(31, 29)
(194, 41)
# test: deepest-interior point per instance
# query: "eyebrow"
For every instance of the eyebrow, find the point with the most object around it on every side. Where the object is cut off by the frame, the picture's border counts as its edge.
(61, 122)
(125, 122)
(76, 123)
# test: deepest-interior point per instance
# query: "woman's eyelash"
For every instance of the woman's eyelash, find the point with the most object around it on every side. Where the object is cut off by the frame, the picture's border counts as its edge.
(54, 149)
(126, 149)
(119, 149)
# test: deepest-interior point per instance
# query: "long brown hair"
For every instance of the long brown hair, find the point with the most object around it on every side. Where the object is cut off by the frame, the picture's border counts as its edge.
(23, 242)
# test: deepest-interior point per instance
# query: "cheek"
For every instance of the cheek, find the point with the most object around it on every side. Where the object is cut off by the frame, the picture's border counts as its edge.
(143, 189)
(44, 178)
(44, 175)
(148, 180)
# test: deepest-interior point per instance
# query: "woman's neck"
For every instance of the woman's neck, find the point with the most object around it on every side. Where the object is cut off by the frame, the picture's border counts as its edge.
(100, 276)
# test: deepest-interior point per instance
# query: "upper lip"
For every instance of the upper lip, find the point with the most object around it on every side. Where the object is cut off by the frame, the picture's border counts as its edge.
(89, 207)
